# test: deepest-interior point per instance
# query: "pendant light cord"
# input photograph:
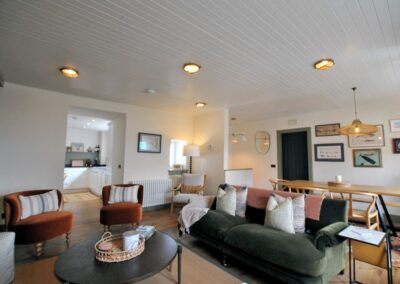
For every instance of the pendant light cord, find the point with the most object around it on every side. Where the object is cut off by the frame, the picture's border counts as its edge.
(355, 101)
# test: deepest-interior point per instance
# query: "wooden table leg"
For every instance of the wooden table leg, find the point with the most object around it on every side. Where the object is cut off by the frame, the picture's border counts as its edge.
(179, 264)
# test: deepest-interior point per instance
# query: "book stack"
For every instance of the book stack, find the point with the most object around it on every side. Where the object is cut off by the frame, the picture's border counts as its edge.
(146, 231)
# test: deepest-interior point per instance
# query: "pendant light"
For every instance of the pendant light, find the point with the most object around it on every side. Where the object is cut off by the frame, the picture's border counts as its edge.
(357, 128)
(237, 136)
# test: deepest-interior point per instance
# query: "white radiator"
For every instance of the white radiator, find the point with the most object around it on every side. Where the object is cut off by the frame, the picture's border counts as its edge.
(156, 191)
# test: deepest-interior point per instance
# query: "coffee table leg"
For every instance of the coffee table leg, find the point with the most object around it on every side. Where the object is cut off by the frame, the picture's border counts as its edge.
(179, 264)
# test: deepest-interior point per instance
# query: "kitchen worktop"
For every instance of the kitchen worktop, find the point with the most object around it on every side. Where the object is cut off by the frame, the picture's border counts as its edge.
(97, 166)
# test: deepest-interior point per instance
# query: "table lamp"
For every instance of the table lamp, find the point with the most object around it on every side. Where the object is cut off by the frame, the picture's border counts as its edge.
(191, 151)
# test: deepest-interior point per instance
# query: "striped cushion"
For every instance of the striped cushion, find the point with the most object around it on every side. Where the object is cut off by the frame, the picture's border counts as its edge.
(38, 204)
(124, 194)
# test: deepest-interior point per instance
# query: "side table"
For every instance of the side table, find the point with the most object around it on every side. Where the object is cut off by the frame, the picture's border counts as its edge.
(368, 246)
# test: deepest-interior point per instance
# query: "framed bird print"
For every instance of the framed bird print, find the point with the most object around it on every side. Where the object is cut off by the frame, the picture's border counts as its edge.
(367, 158)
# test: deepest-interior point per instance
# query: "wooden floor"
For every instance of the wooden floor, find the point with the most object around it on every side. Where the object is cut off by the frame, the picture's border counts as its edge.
(86, 223)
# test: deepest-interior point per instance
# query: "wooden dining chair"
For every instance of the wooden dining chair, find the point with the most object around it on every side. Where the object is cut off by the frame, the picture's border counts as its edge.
(279, 184)
(369, 216)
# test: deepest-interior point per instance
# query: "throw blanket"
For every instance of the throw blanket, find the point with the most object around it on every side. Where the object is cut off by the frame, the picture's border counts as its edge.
(189, 215)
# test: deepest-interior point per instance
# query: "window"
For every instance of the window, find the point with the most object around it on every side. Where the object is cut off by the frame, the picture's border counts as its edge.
(176, 153)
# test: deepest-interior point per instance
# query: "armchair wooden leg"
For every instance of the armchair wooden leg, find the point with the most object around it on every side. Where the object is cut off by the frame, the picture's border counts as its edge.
(67, 237)
(106, 228)
(134, 225)
(38, 249)
(172, 208)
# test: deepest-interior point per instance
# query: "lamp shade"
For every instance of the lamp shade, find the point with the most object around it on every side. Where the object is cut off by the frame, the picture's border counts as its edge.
(357, 128)
(191, 150)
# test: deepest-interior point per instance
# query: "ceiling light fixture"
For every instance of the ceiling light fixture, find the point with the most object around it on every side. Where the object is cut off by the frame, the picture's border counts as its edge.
(200, 104)
(324, 64)
(69, 72)
(191, 68)
(237, 136)
(357, 128)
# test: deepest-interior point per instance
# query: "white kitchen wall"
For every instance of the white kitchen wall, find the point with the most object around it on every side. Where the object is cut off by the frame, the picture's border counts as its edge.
(90, 138)
(244, 155)
(33, 126)
(209, 134)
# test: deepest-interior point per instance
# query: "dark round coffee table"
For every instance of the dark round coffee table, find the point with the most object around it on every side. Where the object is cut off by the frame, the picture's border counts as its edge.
(79, 265)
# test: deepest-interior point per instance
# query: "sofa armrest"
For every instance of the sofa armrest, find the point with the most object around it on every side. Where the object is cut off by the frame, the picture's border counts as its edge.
(327, 236)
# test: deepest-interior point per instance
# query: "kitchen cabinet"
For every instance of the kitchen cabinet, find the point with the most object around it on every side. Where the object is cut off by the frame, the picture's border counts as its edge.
(76, 178)
(98, 178)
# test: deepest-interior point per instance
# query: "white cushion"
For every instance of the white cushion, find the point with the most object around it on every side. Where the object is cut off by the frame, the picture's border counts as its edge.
(183, 197)
(193, 179)
(38, 204)
(124, 194)
(200, 201)
(226, 201)
(299, 217)
(280, 216)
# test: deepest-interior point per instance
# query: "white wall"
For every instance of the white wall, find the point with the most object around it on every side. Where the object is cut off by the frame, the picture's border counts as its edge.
(244, 155)
(209, 134)
(90, 138)
(33, 126)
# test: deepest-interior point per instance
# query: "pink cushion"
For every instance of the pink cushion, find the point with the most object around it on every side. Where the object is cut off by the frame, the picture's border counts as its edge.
(258, 198)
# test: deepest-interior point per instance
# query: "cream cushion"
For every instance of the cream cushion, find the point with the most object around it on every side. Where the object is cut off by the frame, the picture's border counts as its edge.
(299, 216)
(280, 216)
(183, 197)
(226, 201)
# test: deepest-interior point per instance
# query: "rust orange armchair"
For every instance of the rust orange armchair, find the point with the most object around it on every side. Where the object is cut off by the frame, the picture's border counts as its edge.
(121, 212)
(36, 229)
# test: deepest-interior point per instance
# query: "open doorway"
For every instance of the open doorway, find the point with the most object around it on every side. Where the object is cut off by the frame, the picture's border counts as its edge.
(294, 154)
(95, 150)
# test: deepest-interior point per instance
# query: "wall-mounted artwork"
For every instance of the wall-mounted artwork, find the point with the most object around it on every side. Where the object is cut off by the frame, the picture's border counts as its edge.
(149, 143)
(375, 140)
(327, 130)
(394, 125)
(77, 147)
(367, 158)
(396, 145)
(329, 152)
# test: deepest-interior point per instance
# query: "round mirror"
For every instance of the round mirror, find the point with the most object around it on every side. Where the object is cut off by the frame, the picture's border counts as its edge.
(262, 142)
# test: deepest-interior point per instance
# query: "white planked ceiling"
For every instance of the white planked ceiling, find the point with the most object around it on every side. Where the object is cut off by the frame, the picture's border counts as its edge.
(256, 56)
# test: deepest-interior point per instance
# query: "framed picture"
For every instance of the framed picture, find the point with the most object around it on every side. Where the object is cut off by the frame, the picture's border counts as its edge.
(77, 147)
(329, 152)
(394, 125)
(149, 143)
(367, 158)
(327, 130)
(375, 140)
(396, 145)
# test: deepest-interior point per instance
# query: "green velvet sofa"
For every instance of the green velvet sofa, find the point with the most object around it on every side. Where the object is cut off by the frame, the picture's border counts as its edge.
(313, 257)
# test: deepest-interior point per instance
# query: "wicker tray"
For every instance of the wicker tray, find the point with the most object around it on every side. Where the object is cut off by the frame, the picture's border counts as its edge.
(116, 254)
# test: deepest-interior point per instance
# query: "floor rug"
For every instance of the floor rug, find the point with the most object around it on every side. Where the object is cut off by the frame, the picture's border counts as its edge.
(79, 196)
(195, 270)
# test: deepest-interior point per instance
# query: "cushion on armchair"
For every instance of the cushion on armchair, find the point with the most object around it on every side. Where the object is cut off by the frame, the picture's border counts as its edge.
(39, 203)
(124, 194)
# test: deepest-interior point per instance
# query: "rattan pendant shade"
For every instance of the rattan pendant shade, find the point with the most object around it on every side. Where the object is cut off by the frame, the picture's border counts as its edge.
(357, 128)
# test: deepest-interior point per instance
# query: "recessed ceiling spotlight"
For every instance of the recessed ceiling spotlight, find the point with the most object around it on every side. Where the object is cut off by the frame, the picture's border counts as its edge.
(69, 72)
(150, 91)
(324, 64)
(191, 68)
(200, 104)
(93, 120)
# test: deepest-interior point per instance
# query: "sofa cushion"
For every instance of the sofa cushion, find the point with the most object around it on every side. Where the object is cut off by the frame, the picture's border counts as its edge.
(43, 227)
(216, 224)
(292, 251)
